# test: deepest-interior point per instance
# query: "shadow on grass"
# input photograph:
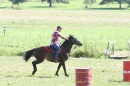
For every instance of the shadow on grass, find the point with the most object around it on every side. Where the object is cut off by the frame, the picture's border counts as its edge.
(9, 76)
(119, 81)
(46, 7)
(44, 77)
(41, 7)
(3, 7)
(105, 8)
(40, 76)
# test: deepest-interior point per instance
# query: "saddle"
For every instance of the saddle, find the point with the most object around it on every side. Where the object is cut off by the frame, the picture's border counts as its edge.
(52, 49)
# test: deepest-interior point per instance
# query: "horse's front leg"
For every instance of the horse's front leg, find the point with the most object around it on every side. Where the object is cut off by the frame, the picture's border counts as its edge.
(58, 69)
(64, 67)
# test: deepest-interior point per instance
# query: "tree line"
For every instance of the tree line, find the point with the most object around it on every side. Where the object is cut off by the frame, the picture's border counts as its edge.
(87, 2)
(49, 1)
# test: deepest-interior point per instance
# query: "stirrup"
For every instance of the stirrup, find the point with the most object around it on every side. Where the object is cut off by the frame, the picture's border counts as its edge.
(56, 61)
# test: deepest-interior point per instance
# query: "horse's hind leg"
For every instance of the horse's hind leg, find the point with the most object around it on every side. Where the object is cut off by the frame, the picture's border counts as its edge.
(34, 66)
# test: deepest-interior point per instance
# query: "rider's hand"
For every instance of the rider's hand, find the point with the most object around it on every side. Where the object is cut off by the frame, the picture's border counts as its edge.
(66, 39)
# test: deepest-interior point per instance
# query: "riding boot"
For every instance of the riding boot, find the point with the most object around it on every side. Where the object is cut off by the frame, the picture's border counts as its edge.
(56, 61)
(57, 58)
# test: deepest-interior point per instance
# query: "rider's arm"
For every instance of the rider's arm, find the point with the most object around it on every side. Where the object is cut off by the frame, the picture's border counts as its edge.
(63, 37)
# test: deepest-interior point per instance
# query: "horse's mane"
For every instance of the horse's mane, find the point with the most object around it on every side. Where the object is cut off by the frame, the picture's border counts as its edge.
(66, 41)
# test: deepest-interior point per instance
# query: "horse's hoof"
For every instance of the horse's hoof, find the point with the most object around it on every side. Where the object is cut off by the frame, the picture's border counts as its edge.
(66, 75)
(33, 72)
(56, 74)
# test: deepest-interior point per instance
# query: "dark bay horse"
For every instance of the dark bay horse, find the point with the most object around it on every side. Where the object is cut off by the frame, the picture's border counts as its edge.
(40, 54)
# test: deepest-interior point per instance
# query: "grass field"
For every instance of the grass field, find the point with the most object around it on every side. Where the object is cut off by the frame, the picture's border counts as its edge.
(27, 29)
(15, 72)
(32, 26)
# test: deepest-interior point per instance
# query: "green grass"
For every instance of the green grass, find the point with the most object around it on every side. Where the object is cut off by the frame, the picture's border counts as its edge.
(30, 28)
(15, 72)
(27, 29)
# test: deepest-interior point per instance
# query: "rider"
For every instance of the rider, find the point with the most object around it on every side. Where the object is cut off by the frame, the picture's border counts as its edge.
(55, 41)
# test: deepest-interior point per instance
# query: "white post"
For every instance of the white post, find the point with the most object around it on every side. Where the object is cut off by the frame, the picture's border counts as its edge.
(4, 29)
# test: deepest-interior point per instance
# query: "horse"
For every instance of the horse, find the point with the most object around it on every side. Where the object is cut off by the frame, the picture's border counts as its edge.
(42, 53)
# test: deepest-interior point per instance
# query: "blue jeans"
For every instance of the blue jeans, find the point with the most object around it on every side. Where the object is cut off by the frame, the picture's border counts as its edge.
(57, 47)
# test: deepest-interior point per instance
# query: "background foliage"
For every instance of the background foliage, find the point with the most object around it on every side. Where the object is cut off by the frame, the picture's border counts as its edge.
(88, 3)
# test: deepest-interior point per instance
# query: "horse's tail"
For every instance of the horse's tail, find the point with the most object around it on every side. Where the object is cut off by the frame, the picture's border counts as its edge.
(28, 55)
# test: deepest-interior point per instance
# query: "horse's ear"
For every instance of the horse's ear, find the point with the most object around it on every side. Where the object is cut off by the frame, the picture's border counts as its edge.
(71, 35)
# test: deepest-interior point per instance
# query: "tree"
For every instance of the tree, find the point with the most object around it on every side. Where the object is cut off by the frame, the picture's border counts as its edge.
(52, 1)
(89, 2)
(49, 1)
(43, 1)
(128, 2)
(17, 1)
(63, 1)
(112, 1)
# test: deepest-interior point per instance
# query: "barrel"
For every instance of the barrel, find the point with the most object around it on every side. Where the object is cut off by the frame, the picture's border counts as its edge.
(126, 71)
(83, 76)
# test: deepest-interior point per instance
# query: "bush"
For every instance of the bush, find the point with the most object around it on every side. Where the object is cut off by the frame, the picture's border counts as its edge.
(65, 1)
(88, 51)
(128, 2)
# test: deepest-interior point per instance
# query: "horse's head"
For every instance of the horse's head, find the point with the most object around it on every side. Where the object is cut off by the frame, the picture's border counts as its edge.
(75, 41)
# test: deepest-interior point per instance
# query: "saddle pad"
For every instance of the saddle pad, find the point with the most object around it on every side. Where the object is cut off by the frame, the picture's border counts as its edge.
(48, 49)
